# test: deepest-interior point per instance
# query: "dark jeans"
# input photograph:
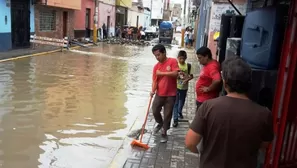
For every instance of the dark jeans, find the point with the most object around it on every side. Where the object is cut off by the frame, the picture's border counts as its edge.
(167, 102)
(179, 103)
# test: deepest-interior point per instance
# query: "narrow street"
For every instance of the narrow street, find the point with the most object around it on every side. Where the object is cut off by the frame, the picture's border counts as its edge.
(73, 109)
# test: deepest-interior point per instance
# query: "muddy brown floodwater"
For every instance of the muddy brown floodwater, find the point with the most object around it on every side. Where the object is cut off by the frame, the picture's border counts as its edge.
(72, 109)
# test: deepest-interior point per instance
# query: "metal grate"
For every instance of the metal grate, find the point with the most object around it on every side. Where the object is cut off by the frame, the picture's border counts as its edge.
(47, 20)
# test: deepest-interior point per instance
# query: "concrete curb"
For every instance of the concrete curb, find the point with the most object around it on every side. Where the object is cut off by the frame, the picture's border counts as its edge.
(38, 54)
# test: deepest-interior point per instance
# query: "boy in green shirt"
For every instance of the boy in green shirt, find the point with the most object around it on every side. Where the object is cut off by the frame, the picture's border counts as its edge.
(184, 76)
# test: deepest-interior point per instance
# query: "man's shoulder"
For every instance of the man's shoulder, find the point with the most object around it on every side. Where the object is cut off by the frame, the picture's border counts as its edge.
(223, 100)
(172, 59)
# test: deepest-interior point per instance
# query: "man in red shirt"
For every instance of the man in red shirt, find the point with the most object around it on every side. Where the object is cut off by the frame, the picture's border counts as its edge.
(164, 86)
(208, 85)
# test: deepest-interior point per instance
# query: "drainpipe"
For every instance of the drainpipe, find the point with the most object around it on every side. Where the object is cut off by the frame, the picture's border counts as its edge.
(95, 22)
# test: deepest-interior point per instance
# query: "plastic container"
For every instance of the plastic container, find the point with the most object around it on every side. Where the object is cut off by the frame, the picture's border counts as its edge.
(262, 37)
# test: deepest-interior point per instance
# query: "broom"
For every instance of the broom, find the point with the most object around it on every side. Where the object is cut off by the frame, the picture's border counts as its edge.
(139, 143)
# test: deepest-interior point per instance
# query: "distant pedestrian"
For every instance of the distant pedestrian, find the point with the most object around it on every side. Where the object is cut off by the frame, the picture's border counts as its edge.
(234, 128)
(208, 85)
(164, 78)
(187, 40)
(184, 76)
(104, 31)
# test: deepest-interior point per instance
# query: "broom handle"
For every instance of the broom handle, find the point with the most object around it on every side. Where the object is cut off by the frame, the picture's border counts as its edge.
(148, 109)
(147, 112)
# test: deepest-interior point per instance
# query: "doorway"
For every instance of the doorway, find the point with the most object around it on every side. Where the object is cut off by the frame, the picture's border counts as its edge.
(108, 25)
(65, 21)
(20, 23)
(88, 22)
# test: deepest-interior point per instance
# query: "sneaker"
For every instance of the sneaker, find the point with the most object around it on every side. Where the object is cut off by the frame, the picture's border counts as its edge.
(181, 116)
(157, 128)
(175, 123)
(164, 138)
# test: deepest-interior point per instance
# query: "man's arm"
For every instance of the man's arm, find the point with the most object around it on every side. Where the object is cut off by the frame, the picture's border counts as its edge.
(216, 78)
(154, 82)
(196, 131)
(173, 72)
(192, 140)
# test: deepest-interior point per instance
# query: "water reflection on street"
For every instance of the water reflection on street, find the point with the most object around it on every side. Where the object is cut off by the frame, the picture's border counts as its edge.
(72, 109)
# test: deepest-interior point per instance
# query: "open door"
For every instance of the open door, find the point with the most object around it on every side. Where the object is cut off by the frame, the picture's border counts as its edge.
(108, 25)
(65, 21)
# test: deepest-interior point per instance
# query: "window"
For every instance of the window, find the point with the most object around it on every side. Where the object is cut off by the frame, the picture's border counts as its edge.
(47, 20)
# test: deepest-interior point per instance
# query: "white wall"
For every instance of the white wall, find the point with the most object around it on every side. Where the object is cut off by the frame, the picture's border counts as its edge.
(132, 17)
(157, 9)
(147, 3)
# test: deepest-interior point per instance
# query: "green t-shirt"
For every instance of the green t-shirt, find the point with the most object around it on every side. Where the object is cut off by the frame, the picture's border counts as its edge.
(183, 74)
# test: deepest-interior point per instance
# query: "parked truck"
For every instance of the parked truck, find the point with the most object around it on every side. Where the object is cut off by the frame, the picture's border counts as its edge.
(165, 32)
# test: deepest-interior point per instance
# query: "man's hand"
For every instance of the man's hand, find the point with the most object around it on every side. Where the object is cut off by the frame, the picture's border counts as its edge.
(159, 73)
(152, 94)
(204, 89)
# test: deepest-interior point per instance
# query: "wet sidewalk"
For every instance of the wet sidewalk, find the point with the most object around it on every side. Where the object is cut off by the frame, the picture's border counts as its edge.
(172, 154)
(26, 51)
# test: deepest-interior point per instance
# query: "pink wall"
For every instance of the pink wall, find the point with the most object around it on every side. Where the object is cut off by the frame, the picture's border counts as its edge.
(80, 15)
(104, 11)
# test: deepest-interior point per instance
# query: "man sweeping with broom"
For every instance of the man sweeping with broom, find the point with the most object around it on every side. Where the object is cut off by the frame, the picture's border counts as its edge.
(165, 73)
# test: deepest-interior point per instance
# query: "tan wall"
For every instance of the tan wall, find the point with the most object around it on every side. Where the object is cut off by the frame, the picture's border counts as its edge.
(69, 4)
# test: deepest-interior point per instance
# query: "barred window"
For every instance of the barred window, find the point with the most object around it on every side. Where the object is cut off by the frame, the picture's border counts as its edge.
(47, 20)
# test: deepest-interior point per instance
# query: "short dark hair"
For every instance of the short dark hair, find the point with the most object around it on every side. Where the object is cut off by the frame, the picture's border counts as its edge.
(182, 53)
(237, 75)
(159, 47)
(205, 52)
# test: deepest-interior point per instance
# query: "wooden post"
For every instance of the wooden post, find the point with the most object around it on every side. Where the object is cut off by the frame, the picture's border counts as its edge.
(183, 37)
(95, 22)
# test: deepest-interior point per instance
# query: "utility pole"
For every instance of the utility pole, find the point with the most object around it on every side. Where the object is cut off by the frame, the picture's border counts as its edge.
(184, 20)
(95, 34)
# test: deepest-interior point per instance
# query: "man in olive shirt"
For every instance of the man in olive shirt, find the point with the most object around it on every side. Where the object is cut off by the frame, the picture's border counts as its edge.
(233, 127)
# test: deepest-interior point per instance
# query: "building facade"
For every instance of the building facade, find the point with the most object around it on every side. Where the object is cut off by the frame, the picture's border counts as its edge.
(146, 17)
(122, 7)
(84, 19)
(157, 11)
(135, 15)
(56, 20)
(16, 24)
(107, 15)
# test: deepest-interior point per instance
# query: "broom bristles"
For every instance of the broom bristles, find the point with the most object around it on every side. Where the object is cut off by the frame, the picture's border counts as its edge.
(139, 144)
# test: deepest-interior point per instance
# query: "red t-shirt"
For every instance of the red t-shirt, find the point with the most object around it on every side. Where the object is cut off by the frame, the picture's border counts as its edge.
(208, 74)
(166, 86)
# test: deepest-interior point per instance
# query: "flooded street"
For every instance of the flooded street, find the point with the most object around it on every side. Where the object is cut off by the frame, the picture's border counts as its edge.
(72, 109)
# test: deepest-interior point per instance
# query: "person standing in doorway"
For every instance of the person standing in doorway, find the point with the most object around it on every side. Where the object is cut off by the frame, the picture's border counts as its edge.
(164, 88)
(184, 76)
(208, 85)
(104, 31)
(234, 128)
